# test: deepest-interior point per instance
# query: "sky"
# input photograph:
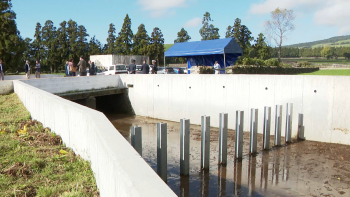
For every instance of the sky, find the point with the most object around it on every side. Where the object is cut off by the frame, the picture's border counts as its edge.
(315, 19)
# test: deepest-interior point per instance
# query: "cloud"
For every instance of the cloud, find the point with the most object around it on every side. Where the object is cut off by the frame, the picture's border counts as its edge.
(159, 8)
(193, 22)
(325, 12)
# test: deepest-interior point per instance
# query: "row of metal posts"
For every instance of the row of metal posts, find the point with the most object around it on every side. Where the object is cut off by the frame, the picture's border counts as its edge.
(136, 137)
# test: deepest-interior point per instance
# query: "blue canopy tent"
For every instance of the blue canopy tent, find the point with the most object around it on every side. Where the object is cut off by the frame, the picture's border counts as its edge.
(204, 53)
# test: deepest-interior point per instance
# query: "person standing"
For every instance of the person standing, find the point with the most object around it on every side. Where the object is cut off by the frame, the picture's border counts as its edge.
(37, 69)
(93, 68)
(72, 68)
(154, 67)
(27, 69)
(145, 67)
(217, 67)
(82, 66)
(66, 69)
(1, 71)
(132, 67)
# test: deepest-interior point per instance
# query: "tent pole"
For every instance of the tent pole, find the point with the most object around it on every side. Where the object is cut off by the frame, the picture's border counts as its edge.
(164, 62)
(225, 62)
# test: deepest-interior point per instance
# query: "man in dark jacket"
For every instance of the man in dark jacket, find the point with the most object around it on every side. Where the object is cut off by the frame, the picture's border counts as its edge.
(154, 67)
(93, 68)
(82, 66)
(132, 67)
(145, 68)
(1, 71)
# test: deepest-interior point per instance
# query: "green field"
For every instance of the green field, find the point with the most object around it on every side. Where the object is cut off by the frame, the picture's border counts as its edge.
(340, 60)
(331, 72)
(167, 46)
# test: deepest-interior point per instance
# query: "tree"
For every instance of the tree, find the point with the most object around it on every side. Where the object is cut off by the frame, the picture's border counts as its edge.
(327, 52)
(229, 33)
(63, 44)
(208, 31)
(11, 43)
(83, 46)
(72, 31)
(37, 44)
(125, 36)
(94, 46)
(50, 44)
(242, 35)
(280, 24)
(261, 49)
(182, 36)
(156, 47)
(141, 41)
(111, 40)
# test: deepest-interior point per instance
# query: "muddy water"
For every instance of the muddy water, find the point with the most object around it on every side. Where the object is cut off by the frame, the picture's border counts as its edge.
(300, 169)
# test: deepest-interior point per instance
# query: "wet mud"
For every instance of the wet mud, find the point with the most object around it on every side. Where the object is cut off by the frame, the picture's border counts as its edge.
(302, 168)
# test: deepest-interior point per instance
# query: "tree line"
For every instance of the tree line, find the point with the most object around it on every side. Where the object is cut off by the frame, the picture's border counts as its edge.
(326, 51)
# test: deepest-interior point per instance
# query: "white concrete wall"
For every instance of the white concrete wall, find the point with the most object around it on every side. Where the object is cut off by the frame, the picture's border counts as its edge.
(102, 60)
(60, 85)
(6, 87)
(17, 77)
(326, 112)
(118, 168)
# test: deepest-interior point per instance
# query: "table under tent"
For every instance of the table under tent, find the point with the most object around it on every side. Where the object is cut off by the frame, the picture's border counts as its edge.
(204, 53)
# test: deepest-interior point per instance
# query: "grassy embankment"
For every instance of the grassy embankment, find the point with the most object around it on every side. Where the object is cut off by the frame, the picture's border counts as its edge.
(35, 162)
(331, 72)
(322, 61)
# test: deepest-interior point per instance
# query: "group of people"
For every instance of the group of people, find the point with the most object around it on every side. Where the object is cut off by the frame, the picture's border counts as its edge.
(71, 69)
(37, 69)
(145, 68)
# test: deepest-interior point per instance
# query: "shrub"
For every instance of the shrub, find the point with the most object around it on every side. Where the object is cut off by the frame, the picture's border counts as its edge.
(272, 62)
(206, 70)
(304, 64)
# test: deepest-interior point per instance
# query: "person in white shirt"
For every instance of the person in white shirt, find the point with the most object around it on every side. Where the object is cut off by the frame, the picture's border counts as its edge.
(217, 66)
(27, 69)
(1, 71)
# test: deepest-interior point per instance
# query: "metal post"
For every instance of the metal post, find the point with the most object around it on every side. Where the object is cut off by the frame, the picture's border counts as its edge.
(132, 136)
(253, 131)
(224, 63)
(289, 116)
(184, 147)
(136, 139)
(267, 128)
(239, 134)
(162, 150)
(301, 127)
(205, 142)
(223, 138)
(278, 125)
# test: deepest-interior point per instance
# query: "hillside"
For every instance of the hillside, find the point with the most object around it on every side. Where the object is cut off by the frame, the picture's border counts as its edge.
(167, 46)
(338, 41)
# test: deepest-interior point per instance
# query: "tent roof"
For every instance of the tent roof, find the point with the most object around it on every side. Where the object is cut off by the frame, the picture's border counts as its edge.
(208, 47)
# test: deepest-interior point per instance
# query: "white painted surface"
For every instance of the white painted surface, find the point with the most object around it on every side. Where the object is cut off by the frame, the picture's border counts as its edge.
(6, 87)
(326, 112)
(18, 77)
(118, 168)
(60, 85)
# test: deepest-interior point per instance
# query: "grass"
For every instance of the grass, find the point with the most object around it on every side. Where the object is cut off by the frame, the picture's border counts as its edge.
(167, 46)
(35, 162)
(318, 61)
(331, 72)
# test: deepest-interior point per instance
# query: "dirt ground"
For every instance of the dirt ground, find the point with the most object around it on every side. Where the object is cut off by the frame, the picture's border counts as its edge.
(302, 168)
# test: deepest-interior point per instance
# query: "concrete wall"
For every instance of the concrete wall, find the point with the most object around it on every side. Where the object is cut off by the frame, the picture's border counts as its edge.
(17, 77)
(118, 168)
(6, 87)
(107, 60)
(172, 97)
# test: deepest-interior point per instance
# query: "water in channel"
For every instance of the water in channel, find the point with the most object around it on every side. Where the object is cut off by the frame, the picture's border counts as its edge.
(300, 169)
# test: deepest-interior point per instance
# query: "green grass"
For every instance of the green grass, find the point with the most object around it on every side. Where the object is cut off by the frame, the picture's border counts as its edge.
(167, 46)
(32, 164)
(331, 72)
(319, 61)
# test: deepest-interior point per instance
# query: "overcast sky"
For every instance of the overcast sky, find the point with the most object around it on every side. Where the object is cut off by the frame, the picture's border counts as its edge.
(315, 19)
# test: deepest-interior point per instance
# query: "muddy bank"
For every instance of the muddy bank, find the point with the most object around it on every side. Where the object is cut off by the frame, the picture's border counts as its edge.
(300, 169)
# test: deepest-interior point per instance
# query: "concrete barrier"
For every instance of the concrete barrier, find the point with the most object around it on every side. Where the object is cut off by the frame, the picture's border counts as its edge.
(18, 77)
(324, 100)
(6, 87)
(118, 168)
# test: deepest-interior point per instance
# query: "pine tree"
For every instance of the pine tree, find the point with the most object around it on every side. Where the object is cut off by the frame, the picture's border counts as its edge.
(261, 48)
(242, 35)
(28, 50)
(125, 36)
(94, 46)
(50, 44)
(156, 47)
(11, 43)
(72, 31)
(141, 41)
(236, 29)
(208, 31)
(38, 50)
(229, 33)
(182, 36)
(111, 40)
(83, 46)
(63, 44)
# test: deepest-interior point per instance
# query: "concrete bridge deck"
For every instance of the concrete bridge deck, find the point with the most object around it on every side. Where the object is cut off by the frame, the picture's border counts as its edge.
(78, 95)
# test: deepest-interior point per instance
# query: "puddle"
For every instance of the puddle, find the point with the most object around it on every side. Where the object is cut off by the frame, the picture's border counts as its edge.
(300, 169)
